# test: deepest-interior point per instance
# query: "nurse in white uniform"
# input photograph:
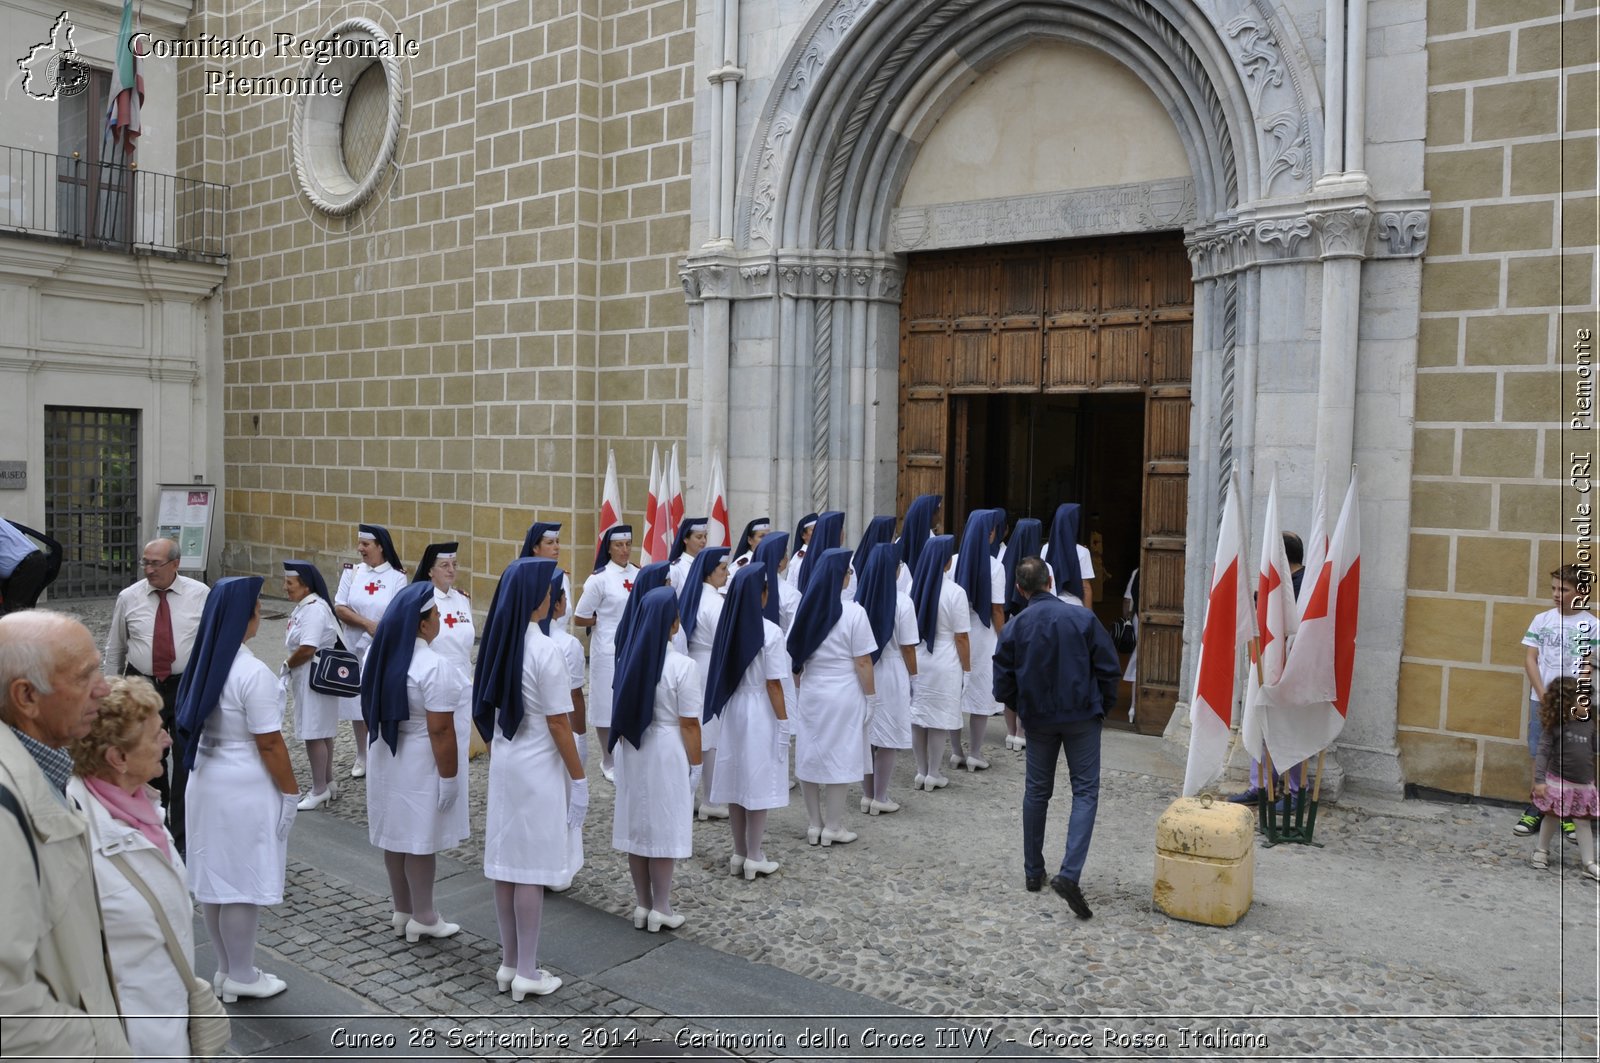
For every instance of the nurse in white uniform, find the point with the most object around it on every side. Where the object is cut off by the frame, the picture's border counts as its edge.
(745, 550)
(538, 794)
(700, 609)
(801, 543)
(944, 663)
(409, 694)
(656, 733)
(454, 643)
(1070, 570)
(364, 593)
(744, 692)
(311, 627)
(1026, 535)
(544, 540)
(605, 595)
(242, 793)
(921, 521)
(830, 648)
(894, 629)
(577, 672)
(686, 546)
(983, 577)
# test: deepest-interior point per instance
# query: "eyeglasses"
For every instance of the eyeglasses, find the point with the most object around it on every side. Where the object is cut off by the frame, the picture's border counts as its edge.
(147, 563)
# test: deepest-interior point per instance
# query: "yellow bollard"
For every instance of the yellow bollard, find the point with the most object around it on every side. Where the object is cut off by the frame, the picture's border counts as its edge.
(1205, 861)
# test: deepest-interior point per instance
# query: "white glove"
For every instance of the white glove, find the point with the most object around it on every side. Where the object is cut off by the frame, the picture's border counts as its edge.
(449, 792)
(695, 771)
(874, 703)
(966, 681)
(287, 807)
(577, 803)
(780, 742)
(914, 685)
(583, 747)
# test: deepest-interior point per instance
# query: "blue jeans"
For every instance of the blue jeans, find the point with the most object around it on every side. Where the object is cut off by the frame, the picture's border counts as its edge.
(1081, 742)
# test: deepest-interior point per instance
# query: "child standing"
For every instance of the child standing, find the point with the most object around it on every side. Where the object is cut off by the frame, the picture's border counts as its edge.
(1560, 642)
(1563, 771)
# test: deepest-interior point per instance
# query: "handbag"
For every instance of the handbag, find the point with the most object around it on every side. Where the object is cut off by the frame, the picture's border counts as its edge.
(335, 671)
(209, 1026)
(1123, 635)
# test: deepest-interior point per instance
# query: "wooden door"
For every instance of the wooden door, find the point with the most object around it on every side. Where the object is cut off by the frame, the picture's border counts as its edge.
(1161, 561)
(925, 355)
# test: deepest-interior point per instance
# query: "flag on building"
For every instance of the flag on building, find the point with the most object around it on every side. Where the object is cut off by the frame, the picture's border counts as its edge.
(126, 93)
(665, 526)
(717, 533)
(610, 499)
(1306, 709)
(647, 544)
(1227, 628)
(1276, 621)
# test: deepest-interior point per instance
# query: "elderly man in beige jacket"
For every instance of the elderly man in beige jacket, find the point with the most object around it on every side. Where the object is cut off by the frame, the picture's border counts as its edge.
(55, 976)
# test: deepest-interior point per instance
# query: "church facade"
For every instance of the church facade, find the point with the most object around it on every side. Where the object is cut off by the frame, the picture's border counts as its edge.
(1112, 251)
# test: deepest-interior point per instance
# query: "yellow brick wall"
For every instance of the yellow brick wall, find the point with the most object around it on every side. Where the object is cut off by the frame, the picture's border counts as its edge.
(1508, 280)
(455, 357)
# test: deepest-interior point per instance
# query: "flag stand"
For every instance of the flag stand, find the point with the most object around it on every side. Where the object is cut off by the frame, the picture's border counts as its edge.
(1296, 821)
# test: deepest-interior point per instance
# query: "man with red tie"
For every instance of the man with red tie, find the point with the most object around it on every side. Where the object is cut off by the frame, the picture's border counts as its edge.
(152, 631)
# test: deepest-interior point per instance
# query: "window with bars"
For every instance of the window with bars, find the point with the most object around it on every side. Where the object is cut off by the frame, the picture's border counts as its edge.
(91, 484)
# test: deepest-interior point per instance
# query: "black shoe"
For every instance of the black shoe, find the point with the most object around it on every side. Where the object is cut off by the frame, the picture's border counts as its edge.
(1035, 883)
(1527, 823)
(1069, 892)
(1249, 797)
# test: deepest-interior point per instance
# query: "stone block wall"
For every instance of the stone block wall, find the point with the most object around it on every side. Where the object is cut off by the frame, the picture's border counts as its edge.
(454, 358)
(1508, 282)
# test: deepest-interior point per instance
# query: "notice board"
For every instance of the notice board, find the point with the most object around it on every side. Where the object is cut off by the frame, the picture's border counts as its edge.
(184, 513)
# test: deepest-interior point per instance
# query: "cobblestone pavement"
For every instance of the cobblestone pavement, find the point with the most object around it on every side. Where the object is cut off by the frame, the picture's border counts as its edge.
(1418, 931)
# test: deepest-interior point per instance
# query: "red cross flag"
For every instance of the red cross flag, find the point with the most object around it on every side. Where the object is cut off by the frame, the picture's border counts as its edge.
(1227, 628)
(1306, 709)
(652, 528)
(610, 499)
(674, 493)
(1277, 618)
(717, 505)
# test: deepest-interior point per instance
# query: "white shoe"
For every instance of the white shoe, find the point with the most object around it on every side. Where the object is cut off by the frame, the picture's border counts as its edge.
(937, 782)
(916, 783)
(610, 773)
(735, 864)
(543, 985)
(416, 931)
(640, 916)
(216, 982)
(266, 985)
(359, 770)
(976, 763)
(957, 760)
(841, 837)
(655, 921)
(1010, 739)
(310, 801)
(399, 920)
(866, 803)
(1021, 743)
(752, 868)
(813, 835)
(883, 808)
(712, 812)
(503, 978)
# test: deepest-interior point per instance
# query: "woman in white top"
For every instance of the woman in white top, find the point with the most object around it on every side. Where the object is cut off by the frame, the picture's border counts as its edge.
(544, 540)
(571, 651)
(454, 643)
(744, 691)
(538, 793)
(657, 738)
(364, 593)
(115, 762)
(242, 793)
(686, 546)
(700, 608)
(1026, 536)
(1070, 570)
(409, 694)
(894, 669)
(311, 627)
(831, 648)
(983, 577)
(944, 663)
(605, 595)
(748, 540)
(801, 543)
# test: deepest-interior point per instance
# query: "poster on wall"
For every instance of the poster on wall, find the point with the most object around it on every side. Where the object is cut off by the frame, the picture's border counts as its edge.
(184, 513)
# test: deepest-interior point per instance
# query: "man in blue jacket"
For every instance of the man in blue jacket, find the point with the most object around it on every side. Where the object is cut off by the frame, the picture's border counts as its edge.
(1055, 666)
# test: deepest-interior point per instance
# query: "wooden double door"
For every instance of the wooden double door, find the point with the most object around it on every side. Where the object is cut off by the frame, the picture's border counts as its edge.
(1038, 374)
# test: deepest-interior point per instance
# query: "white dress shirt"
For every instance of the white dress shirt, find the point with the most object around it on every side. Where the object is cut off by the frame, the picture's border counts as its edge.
(133, 624)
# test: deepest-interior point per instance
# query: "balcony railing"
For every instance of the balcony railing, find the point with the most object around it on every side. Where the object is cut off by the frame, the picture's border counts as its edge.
(110, 207)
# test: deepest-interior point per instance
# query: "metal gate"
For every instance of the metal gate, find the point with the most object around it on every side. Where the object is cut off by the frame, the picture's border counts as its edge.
(91, 485)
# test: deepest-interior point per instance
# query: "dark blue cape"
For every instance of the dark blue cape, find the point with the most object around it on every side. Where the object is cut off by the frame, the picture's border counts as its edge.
(769, 553)
(649, 578)
(384, 705)
(740, 636)
(311, 577)
(820, 605)
(879, 530)
(827, 535)
(497, 679)
(1064, 550)
(917, 527)
(536, 531)
(972, 569)
(875, 592)
(928, 582)
(229, 607)
(705, 563)
(386, 544)
(1026, 540)
(633, 701)
(602, 554)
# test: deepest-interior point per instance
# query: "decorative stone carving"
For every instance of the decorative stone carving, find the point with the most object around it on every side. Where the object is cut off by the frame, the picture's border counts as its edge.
(1291, 153)
(1343, 232)
(1406, 232)
(1276, 97)
(859, 277)
(1287, 233)
(1258, 55)
(1147, 207)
